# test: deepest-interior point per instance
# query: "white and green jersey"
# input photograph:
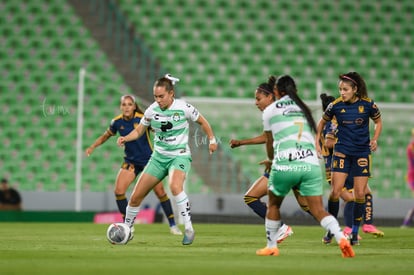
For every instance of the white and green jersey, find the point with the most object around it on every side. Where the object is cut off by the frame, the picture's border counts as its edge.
(293, 141)
(171, 127)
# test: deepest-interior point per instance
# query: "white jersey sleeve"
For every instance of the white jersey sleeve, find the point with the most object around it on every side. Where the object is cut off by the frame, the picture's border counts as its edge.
(149, 114)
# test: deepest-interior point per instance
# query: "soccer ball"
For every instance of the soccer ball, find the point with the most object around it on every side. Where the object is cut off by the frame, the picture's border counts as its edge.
(118, 233)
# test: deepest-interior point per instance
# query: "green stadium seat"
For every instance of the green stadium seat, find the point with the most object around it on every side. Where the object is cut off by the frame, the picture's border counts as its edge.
(222, 48)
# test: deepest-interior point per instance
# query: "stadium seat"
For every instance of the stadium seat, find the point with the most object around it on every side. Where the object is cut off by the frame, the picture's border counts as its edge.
(221, 48)
(41, 77)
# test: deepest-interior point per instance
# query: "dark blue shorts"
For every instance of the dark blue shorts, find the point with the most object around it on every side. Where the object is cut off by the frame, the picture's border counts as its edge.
(136, 168)
(355, 166)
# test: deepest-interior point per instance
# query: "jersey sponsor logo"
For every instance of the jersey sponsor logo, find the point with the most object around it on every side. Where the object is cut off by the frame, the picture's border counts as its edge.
(166, 125)
(365, 171)
(361, 109)
(343, 111)
(292, 111)
(167, 139)
(292, 155)
(121, 127)
(359, 121)
(283, 104)
(362, 162)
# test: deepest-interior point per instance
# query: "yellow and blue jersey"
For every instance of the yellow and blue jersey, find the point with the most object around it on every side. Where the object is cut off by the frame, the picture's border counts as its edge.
(138, 151)
(353, 124)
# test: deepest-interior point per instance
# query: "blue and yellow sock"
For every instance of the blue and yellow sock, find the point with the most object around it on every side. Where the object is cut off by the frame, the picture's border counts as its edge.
(359, 208)
(122, 203)
(167, 208)
(368, 217)
(256, 205)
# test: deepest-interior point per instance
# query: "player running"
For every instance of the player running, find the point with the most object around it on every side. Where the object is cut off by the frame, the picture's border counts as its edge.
(290, 144)
(137, 154)
(168, 117)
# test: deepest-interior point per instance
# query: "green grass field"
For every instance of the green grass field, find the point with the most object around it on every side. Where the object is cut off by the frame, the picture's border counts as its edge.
(82, 248)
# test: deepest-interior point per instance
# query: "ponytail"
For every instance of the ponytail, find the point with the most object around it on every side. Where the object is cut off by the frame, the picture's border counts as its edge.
(286, 86)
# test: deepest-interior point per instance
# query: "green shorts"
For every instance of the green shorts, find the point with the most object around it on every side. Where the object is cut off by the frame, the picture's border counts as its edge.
(308, 179)
(159, 166)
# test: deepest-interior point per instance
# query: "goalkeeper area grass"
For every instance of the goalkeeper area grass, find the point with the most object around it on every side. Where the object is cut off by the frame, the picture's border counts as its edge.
(82, 248)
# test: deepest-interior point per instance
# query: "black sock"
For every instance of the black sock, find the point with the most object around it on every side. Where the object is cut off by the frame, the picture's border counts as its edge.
(333, 207)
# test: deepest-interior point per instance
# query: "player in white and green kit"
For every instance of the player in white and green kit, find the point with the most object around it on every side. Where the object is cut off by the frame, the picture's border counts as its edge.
(290, 144)
(168, 117)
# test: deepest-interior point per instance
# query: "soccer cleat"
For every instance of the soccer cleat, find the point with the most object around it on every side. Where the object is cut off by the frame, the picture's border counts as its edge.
(274, 251)
(347, 232)
(175, 230)
(283, 232)
(371, 229)
(346, 248)
(188, 237)
(131, 234)
(327, 239)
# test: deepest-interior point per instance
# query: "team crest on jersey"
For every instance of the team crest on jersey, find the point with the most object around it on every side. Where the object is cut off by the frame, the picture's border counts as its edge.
(176, 117)
(360, 109)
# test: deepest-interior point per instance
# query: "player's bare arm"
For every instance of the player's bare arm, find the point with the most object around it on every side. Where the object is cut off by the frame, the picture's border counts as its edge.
(319, 130)
(249, 141)
(209, 132)
(99, 141)
(377, 132)
(269, 145)
(133, 135)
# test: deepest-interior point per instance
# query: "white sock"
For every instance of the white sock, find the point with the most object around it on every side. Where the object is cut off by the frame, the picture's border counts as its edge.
(272, 227)
(131, 214)
(331, 224)
(183, 207)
